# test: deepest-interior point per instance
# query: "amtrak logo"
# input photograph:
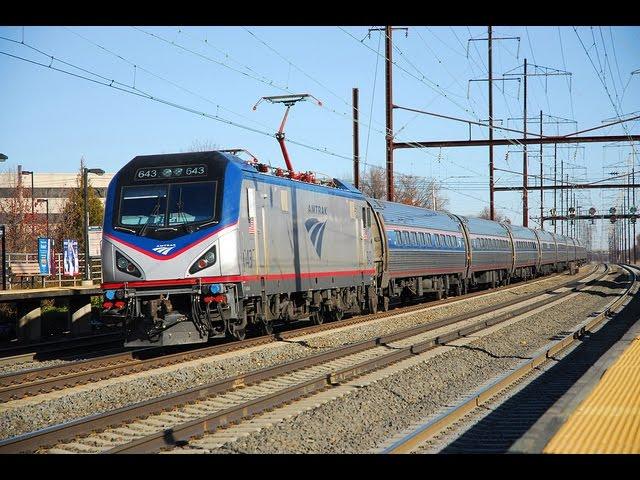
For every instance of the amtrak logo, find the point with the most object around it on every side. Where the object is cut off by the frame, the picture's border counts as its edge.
(316, 232)
(164, 249)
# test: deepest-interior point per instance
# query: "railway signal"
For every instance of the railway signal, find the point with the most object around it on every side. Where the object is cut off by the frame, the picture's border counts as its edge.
(592, 212)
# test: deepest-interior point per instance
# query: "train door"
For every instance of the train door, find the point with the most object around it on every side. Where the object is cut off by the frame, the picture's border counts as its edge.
(467, 245)
(257, 230)
(540, 245)
(380, 248)
(512, 248)
(358, 232)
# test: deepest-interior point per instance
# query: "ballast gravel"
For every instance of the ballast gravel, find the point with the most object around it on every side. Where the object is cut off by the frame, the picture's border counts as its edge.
(363, 420)
(22, 416)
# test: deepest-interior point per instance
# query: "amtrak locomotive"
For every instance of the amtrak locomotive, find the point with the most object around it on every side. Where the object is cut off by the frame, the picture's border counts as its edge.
(201, 245)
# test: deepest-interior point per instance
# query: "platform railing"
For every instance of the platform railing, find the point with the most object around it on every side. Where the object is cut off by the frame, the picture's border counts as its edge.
(57, 277)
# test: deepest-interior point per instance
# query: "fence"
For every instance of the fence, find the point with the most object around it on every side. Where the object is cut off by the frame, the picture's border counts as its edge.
(57, 278)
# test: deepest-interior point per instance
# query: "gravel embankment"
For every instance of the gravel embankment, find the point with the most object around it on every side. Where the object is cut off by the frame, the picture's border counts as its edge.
(29, 414)
(363, 420)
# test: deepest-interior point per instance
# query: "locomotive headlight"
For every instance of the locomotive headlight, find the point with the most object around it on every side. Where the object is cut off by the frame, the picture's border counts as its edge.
(206, 260)
(122, 263)
(126, 266)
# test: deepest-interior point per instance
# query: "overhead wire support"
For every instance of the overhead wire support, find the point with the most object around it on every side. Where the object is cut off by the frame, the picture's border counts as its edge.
(491, 81)
(490, 38)
(493, 38)
(388, 42)
(537, 71)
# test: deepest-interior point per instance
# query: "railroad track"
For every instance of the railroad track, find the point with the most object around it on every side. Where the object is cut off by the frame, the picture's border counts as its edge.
(37, 381)
(58, 348)
(504, 387)
(174, 419)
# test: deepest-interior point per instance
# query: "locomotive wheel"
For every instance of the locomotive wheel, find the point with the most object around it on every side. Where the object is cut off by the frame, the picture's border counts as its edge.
(384, 304)
(438, 294)
(458, 289)
(465, 287)
(337, 314)
(373, 304)
(267, 327)
(317, 317)
(239, 333)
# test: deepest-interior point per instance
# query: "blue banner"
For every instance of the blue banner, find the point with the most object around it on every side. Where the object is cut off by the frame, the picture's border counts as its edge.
(44, 255)
(71, 266)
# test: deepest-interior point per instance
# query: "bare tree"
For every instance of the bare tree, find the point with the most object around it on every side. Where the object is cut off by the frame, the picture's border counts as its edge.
(373, 183)
(22, 229)
(499, 216)
(420, 192)
(409, 189)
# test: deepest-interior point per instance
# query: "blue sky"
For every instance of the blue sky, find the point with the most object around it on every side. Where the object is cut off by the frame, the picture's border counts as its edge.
(51, 119)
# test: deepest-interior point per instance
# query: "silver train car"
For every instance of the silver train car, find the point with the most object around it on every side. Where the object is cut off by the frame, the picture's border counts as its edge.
(202, 245)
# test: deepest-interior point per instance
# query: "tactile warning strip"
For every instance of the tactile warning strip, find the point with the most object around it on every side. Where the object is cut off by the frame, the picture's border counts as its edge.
(608, 420)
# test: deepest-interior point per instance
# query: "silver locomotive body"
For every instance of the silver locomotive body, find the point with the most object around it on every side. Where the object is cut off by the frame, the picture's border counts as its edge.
(272, 250)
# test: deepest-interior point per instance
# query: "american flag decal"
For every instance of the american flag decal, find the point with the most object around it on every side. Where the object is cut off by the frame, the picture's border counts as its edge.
(252, 225)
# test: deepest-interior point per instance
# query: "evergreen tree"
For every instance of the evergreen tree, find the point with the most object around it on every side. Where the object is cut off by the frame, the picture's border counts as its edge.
(71, 225)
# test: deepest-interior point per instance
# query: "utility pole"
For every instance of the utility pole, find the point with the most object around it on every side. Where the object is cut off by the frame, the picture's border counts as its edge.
(633, 201)
(388, 51)
(525, 193)
(491, 193)
(555, 183)
(490, 80)
(541, 180)
(356, 141)
(562, 210)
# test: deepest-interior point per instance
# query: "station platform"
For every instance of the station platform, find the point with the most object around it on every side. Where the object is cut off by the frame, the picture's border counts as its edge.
(608, 420)
(600, 412)
(49, 292)
(28, 303)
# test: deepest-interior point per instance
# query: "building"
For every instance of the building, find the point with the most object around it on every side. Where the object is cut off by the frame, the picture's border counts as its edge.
(54, 187)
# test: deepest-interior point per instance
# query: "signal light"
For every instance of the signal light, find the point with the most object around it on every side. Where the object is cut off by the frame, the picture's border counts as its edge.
(125, 265)
(107, 305)
(206, 260)
(119, 304)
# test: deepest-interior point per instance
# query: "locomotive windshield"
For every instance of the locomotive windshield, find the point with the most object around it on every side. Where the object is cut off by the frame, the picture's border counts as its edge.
(168, 205)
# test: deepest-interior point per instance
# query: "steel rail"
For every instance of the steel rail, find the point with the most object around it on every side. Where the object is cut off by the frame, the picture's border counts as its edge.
(60, 433)
(180, 434)
(41, 380)
(29, 352)
(429, 429)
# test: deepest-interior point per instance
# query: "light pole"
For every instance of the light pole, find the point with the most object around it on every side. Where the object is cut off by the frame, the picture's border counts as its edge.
(3, 232)
(33, 225)
(87, 262)
(45, 201)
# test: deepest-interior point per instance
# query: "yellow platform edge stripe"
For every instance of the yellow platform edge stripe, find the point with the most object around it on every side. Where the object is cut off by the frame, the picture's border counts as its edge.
(608, 420)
